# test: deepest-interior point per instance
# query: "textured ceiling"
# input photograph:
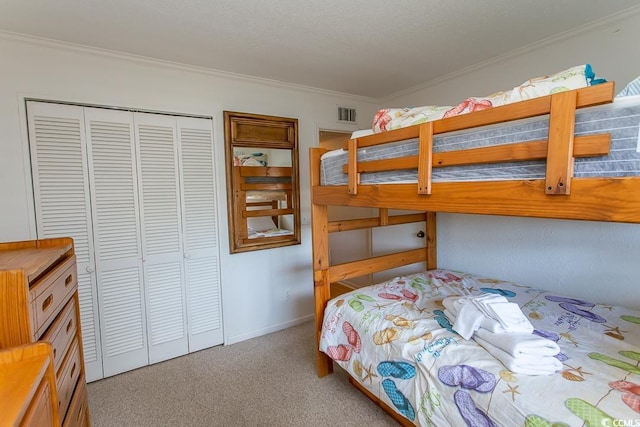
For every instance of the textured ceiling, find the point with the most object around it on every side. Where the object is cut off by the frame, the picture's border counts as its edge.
(363, 47)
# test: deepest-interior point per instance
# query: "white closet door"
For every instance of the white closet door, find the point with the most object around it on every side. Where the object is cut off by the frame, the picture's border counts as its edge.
(61, 192)
(137, 194)
(201, 250)
(161, 235)
(118, 247)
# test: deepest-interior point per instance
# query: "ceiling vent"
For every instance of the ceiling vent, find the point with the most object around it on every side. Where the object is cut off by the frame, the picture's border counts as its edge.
(346, 114)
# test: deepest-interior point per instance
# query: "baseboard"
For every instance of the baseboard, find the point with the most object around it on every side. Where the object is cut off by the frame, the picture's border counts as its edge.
(270, 329)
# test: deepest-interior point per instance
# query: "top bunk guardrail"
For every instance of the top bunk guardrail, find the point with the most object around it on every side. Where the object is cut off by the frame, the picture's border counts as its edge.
(559, 195)
(558, 150)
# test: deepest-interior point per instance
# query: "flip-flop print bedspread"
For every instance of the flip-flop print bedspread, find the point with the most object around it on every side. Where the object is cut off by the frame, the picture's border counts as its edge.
(395, 339)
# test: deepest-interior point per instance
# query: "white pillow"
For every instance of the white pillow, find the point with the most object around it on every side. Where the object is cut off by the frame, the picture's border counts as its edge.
(633, 88)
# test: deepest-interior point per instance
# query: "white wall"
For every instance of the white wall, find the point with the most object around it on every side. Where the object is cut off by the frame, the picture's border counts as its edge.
(598, 261)
(255, 284)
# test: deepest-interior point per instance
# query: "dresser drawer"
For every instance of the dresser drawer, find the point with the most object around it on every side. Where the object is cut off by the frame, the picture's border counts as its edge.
(39, 302)
(66, 379)
(51, 292)
(62, 332)
(39, 412)
(78, 412)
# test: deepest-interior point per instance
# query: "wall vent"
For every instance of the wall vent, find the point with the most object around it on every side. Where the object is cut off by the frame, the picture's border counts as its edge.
(346, 114)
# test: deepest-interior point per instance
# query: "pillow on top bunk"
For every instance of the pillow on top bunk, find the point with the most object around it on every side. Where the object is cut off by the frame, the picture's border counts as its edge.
(633, 88)
(250, 159)
(573, 78)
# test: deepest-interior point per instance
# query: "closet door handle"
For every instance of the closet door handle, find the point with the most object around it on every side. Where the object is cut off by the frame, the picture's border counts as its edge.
(187, 255)
(90, 269)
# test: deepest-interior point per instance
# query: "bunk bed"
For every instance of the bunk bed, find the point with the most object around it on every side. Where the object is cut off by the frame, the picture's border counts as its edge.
(395, 340)
(264, 193)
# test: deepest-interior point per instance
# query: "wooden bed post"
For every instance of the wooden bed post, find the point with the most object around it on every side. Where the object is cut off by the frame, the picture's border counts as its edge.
(425, 158)
(354, 176)
(560, 147)
(321, 284)
(324, 364)
(431, 241)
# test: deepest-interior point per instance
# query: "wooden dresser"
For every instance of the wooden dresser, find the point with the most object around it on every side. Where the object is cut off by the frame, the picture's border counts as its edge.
(28, 386)
(39, 302)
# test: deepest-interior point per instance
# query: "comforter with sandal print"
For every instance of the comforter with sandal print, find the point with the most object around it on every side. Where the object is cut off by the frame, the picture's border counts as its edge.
(395, 340)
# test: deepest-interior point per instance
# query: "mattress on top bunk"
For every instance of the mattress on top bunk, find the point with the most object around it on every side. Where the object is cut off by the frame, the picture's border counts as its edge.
(395, 340)
(621, 119)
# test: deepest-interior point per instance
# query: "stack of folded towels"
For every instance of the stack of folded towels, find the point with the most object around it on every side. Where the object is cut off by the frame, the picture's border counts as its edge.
(503, 330)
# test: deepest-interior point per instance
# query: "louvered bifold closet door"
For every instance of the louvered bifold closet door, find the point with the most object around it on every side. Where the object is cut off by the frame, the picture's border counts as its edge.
(201, 251)
(62, 205)
(118, 246)
(161, 235)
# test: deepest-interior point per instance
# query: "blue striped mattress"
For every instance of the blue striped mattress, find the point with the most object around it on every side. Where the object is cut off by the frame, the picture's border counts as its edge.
(621, 119)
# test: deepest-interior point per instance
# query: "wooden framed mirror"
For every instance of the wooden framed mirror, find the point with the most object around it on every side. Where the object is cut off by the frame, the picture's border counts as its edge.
(263, 188)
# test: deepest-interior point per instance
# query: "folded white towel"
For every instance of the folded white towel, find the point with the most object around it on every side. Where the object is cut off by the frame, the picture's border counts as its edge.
(484, 301)
(467, 321)
(452, 312)
(449, 304)
(466, 325)
(510, 317)
(492, 326)
(513, 319)
(526, 365)
(520, 344)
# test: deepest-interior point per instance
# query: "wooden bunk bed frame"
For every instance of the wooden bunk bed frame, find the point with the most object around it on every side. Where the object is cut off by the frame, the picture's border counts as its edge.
(270, 180)
(559, 195)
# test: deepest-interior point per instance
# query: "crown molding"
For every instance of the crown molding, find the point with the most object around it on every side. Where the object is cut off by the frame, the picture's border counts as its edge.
(75, 47)
(591, 26)
(90, 50)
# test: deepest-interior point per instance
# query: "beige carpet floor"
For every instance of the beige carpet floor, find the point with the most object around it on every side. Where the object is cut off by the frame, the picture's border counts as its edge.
(266, 381)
